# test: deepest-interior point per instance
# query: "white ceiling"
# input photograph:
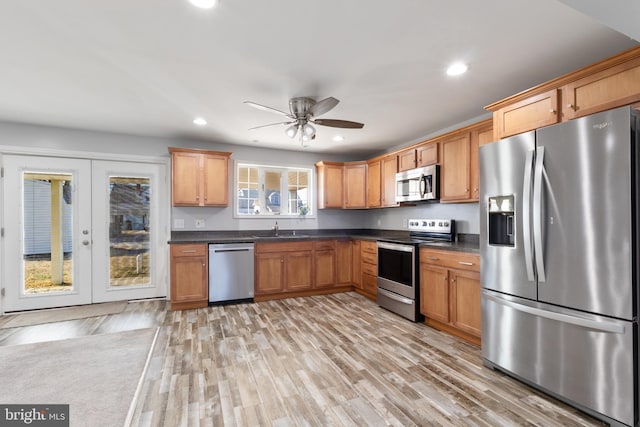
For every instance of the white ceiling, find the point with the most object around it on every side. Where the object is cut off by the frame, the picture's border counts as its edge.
(149, 67)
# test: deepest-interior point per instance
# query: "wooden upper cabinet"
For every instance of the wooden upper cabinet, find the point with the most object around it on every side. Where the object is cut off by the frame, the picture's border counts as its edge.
(389, 170)
(609, 83)
(455, 169)
(330, 184)
(374, 184)
(531, 113)
(216, 180)
(427, 154)
(407, 160)
(423, 155)
(610, 88)
(480, 136)
(199, 178)
(355, 185)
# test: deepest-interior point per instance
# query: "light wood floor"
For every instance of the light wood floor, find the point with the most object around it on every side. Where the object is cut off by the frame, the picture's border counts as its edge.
(317, 361)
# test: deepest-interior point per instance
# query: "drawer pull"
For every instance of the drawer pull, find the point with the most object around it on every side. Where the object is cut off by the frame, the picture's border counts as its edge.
(434, 258)
(189, 251)
(465, 263)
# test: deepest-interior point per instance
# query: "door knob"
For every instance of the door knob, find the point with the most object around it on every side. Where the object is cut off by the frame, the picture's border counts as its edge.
(85, 242)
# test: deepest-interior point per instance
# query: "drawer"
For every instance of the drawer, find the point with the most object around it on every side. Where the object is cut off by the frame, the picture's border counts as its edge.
(284, 246)
(369, 258)
(369, 247)
(370, 269)
(320, 245)
(188, 250)
(450, 259)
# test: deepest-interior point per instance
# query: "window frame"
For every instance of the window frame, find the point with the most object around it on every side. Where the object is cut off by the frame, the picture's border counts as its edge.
(284, 193)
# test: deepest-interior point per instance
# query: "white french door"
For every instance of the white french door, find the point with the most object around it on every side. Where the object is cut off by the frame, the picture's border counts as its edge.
(79, 231)
(128, 219)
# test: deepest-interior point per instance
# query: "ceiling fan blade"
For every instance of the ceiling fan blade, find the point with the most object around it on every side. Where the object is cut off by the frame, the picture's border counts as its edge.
(338, 123)
(323, 106)
(272, 124)
(265, 108)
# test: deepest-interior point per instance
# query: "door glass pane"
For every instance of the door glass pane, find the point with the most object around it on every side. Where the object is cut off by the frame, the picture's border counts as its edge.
(129, 210)
(47, 218)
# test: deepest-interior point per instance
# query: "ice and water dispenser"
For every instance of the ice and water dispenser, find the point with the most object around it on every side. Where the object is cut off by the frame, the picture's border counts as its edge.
(501, 217)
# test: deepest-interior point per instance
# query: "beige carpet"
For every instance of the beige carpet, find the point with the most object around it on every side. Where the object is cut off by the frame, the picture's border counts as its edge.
(61, 314)
(96, 375)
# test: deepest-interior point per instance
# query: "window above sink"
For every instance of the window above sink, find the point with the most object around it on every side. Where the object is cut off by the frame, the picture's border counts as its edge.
(271, 190)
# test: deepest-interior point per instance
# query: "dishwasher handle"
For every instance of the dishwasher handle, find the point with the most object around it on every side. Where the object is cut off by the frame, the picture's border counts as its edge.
(233, 250)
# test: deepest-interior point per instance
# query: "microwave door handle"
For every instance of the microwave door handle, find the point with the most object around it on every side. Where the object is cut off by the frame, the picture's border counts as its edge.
(537, 214)
(423, 186)
(526, 215)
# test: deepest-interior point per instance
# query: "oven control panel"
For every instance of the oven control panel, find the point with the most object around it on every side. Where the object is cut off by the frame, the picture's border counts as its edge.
(430, 225)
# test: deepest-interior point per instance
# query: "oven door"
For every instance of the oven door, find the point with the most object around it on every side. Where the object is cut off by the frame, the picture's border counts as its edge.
(396, 268)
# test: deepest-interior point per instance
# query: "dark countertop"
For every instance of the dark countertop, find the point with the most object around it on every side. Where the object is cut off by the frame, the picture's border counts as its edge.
(464, 242)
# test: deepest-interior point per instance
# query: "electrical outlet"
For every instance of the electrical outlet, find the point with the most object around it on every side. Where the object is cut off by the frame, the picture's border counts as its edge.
(178, 223)
(199, 223)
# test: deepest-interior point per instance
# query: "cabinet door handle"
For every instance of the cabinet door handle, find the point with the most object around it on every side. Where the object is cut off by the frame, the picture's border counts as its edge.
(552, 111)
(465, 263)
(570, 106)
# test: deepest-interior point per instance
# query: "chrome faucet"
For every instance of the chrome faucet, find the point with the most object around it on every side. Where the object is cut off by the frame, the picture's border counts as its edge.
(275, 229)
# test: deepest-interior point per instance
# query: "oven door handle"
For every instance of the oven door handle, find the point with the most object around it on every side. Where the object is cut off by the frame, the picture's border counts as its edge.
(395, 247)
(395, 297)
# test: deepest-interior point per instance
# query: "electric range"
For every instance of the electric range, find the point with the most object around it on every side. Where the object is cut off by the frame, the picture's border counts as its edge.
(399, 265)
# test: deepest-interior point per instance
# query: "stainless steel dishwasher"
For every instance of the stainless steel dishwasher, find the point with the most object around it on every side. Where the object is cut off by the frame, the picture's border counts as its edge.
(230, 272)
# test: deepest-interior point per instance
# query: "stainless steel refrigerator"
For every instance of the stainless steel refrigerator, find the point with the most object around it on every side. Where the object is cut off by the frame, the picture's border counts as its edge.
(559, 245)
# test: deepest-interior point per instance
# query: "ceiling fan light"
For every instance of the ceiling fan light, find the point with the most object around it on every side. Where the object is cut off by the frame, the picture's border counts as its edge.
(291, 131)
(204, 4)
(457, 68)
(308, 130)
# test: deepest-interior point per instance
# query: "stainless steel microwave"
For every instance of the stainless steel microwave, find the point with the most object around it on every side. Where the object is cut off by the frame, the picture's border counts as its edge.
(421, 184)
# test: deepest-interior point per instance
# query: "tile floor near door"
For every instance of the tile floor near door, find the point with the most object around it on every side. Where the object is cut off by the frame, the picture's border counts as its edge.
(326, 360)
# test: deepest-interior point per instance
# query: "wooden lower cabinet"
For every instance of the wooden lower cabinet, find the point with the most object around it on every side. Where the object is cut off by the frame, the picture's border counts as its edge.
(301, 268)
(450, 292)
(282, 267)
(189, 276)
(369, 269)
(269, 273)
(324, 263)
(356, 264)
(298, 270)
(344, 262)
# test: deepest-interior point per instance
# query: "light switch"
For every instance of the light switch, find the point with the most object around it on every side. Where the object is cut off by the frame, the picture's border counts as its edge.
(178, 223)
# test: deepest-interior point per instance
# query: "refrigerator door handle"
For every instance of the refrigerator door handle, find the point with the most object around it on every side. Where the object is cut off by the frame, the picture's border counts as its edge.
(537, 214)
(526, 215)
(602, 326)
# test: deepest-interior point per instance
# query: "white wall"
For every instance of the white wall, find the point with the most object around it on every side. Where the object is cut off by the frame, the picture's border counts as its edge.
(53, 138)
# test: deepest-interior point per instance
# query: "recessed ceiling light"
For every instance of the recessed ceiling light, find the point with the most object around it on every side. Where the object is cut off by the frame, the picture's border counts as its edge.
(338, 138)
(199, 121)
(456, 69)
(204, 4)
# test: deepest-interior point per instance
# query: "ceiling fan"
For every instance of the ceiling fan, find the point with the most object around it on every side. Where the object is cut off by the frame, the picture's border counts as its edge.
(302, 115)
